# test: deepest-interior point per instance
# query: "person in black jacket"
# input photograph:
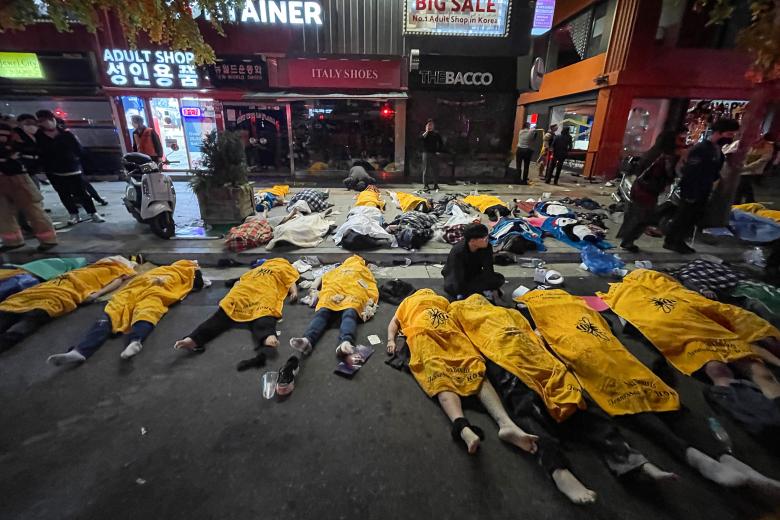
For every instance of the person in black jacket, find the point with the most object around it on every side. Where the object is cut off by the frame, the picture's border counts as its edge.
(432, 147)
(699, 174)
(561, 146)
(60, 155)
(469, 267)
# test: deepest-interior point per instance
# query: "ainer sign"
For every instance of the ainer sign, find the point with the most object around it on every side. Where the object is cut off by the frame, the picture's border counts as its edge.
(449, 77)
(288, 12)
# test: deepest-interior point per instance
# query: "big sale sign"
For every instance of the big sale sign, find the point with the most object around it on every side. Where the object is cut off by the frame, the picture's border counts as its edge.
(457, 17)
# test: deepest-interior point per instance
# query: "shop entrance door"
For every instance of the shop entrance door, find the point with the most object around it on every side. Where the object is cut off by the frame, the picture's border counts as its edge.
(264, 130)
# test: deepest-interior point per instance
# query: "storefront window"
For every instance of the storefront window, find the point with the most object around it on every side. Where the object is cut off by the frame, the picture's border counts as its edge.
(167, 119)
(694, 31)
(646, 119)
(331, 134)
(133, 106)
(263, 130)
(199, 121)
(702, 113)
(578, 119)
(583, 36)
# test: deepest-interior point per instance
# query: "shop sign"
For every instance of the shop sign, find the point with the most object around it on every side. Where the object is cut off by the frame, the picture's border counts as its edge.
(148, 68)
(329, 73)
(457, 17)
(475, 74)
(543, 17)
(20, 65)
(247, 73)
(274, 12)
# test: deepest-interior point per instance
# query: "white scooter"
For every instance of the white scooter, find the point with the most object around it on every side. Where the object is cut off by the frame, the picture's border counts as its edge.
(149, 196)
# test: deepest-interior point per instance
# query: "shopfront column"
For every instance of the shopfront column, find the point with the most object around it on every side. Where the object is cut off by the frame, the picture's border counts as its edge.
(606, 138)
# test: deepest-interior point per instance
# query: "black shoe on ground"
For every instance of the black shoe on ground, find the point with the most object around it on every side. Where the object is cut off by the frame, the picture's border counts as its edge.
(683, 249)
(45, 246)
(435, 186)
(631, 248)
(286, 382)
(103, 202)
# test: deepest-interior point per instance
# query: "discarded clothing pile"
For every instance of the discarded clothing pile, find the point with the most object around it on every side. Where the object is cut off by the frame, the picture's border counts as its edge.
(394, 291)
(413, 228)
(315, 201)
(584, 203)
(754, 223)
(363, 230)
(302, 231)
(516, 235)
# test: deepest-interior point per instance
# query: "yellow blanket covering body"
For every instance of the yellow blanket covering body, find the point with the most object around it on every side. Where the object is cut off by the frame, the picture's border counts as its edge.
(760, 210)
(260, 292)
(618, 382)
(689, 329)
(483, 202)
(370, 197)
(442, 357)
(63, 294)
(149, 295)
(349, 286)
(408, 201)
(505, 337)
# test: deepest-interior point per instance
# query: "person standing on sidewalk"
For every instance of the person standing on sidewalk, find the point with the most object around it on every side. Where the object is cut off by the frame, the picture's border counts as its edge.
(657, 168)
(526, 138)
(699, 174)
(26, 128)
(146, 140)
(561, 145)
(432, 147)
(60, 154)
(545, 151)
(19, 194)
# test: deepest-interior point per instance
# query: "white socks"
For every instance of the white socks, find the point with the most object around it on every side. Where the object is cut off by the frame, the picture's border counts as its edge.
(756, 479)
(132, 349)
(69, 357)
(302, 345)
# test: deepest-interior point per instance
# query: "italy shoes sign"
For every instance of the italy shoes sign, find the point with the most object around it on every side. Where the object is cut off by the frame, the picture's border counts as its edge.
(457, 17)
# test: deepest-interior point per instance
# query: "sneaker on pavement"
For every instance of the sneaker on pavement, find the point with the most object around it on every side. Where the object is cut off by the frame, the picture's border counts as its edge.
(286, 382)
(683, 249)
(73, 220)
(631, 248)
(345, 349)
(97, 218)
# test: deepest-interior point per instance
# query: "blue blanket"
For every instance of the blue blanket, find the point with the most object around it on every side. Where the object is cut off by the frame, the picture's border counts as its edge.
(550, 227)
(508, 227)
(752, 228)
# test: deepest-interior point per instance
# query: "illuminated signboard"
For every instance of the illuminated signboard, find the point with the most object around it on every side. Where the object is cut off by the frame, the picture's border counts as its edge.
(457, 17)
(145, 68)
(190, 111)
(20, 65)
(543, 17)
(285, 12)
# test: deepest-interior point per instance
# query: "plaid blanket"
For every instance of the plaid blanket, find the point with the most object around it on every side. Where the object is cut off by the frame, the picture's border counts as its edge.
(317, 200)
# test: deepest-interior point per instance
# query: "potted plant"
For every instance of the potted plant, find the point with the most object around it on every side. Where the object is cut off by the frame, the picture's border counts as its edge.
(221, 184)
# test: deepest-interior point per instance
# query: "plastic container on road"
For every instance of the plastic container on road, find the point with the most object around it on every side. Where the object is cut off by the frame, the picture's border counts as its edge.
(720, 433)
(269, 384)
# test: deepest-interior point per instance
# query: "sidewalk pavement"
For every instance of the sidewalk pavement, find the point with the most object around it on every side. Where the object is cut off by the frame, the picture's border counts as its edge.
(121, 234)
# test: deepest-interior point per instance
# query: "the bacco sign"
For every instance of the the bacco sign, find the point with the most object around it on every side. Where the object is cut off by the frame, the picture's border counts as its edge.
(475, 74)
(451, 77)
(284, 12)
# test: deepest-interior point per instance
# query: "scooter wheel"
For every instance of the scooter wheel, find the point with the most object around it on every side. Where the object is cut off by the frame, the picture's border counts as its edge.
(162, 225)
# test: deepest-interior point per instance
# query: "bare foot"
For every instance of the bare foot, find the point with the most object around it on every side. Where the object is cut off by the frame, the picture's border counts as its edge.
(574, 490)
(271, 341)
(185, 344)
(656, 473)
(517, 437)
(755, 479)
(710, 468)
(471, 439)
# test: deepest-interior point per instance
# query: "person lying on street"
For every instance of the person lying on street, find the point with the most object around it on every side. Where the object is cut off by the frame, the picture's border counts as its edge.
(345, 295)
(25, 312)
(136, 309)
(447, 366)
(256, 300)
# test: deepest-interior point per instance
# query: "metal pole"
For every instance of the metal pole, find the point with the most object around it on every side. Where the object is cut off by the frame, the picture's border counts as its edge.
(288, 112)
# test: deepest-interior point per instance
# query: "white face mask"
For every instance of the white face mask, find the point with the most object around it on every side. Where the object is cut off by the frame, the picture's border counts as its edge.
(30, 129)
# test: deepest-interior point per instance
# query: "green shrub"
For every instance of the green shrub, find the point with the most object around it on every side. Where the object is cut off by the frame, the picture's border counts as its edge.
(223, 163)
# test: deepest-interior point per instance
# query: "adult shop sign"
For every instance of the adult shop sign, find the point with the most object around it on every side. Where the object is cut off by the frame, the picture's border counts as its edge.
(457, 17)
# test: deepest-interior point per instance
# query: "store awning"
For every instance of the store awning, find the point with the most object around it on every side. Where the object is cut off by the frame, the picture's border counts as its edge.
(293, 96)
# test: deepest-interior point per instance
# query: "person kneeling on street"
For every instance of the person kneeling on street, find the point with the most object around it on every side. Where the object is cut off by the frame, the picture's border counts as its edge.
(469, 267)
